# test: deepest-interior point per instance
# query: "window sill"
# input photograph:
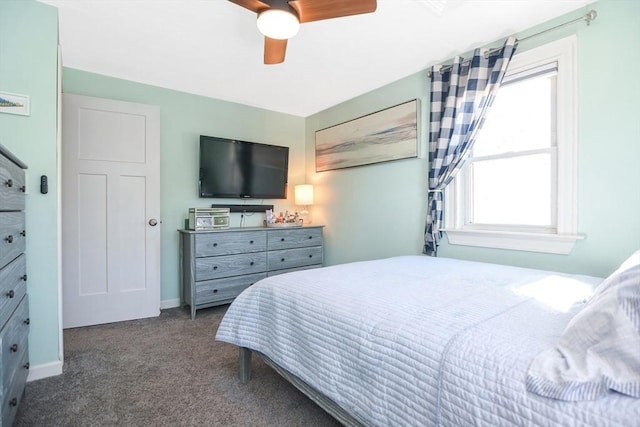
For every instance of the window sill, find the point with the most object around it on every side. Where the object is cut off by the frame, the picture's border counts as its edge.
(533, 242)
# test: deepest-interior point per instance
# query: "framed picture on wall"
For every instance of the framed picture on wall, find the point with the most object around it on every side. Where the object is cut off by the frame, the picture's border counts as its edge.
(14, 103)
(385, 135)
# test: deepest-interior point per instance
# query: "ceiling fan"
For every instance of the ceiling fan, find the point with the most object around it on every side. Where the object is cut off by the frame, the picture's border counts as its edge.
(279, 20)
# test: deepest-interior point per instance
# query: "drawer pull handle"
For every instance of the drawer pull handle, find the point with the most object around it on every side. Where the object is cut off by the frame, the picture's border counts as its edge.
(282, 259)
(251, 242)
(23, 233)
(215, 245)
(24, 277)
(282, 240)
(11, 294)
(27, 321)
(23, 188)
(310, 237)
(14, 348)
(13, 402)
(9, 183)
(9, 239)
(26, 366)
(215, 291)
(310, 256)
(251, 263)
(215, 267)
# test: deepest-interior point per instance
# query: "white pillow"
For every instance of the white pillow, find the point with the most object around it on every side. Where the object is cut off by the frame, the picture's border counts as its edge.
(599, 351)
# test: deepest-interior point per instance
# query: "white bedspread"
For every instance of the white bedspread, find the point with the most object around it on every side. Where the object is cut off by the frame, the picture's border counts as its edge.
(420, 341)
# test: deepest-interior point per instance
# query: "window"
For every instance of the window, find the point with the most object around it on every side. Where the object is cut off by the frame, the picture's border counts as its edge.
(517, 189)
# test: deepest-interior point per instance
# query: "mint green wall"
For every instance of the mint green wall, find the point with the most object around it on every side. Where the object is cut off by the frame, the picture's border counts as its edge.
(375, 211)
(184, 118)
(28, 65)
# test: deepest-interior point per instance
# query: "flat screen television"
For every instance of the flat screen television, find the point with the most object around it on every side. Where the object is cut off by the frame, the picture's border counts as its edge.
(240, 169)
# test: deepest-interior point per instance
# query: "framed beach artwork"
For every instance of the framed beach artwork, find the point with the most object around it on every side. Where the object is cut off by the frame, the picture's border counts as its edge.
(389, 134)
(14, 103)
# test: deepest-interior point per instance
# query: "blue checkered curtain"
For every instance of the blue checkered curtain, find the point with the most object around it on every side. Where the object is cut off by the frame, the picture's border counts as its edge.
(460, 98)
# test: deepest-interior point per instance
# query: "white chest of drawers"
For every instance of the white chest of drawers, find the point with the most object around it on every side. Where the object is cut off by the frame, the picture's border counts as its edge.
(218, 265)
(14, 309)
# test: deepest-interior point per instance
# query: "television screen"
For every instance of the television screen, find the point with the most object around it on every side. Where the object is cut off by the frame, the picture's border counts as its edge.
(241, 169)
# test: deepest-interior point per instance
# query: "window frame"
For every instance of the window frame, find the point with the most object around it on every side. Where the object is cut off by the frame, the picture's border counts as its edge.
(468, 211)
(561, 238)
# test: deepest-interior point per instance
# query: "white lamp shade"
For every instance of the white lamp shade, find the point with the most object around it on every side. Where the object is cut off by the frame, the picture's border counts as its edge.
(304, 194)
(278, 24)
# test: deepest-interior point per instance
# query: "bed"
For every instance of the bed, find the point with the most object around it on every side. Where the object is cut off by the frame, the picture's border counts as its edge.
(421, 341)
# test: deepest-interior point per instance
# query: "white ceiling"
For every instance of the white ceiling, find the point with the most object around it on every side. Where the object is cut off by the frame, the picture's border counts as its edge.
(213, 48)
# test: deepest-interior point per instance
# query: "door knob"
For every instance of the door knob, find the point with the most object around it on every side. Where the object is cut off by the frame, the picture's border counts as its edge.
(153, 222)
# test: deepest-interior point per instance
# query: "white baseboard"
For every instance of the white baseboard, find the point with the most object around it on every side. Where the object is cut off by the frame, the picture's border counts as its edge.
(170, 303)
(45, 370)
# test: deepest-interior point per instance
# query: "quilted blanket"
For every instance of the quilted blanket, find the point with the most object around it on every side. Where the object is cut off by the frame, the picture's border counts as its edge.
(421, 341)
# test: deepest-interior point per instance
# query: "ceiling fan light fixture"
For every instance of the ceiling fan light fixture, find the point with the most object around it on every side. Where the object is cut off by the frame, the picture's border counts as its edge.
(278, 24)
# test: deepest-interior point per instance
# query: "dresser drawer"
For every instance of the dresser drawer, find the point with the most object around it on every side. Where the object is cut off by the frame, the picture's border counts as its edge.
(292, 258)
(17, 362)
(224, 289)
(228, 243)
(13, 286)
(12, 185)
(229, 265)
(13, 393)
(294, 238)
(12, 236)
(14, 343)
(289, 270)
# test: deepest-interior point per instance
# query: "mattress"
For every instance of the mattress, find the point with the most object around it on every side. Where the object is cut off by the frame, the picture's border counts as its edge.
(421, 341)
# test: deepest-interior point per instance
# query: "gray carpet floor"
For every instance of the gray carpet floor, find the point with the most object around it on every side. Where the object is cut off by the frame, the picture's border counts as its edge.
(164, 371)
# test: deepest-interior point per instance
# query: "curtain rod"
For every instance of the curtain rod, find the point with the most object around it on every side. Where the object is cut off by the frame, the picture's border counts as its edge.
(590, 16)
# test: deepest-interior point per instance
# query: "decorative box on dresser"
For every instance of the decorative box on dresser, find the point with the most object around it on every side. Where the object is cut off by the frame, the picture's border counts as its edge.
(217, 265)
(14, 309)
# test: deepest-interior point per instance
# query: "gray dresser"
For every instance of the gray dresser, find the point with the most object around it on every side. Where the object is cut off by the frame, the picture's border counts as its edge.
(14, 309)
(218, 265)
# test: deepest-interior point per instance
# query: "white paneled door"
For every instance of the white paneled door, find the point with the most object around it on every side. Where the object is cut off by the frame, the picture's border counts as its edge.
(110, 210)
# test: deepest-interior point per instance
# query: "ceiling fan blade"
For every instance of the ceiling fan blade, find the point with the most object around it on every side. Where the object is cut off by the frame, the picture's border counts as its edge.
(316, 10)
(252, 5)
(274, 50)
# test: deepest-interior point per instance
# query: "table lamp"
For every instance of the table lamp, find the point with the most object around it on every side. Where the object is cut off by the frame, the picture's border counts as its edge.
(303, 195)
